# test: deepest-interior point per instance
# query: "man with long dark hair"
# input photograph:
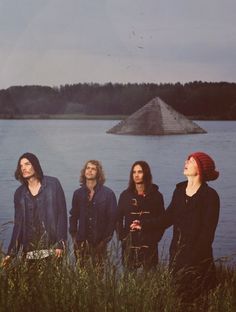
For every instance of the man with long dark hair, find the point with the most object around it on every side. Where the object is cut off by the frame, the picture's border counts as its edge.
(93, 214)
(40, 224)
(140, 201)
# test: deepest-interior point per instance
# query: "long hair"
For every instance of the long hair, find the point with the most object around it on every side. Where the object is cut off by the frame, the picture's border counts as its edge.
(36, 165)
(147, 176)
(100, 178)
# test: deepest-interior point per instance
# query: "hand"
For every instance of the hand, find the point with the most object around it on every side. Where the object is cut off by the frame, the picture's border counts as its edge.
(58, 253)
(135, 226)
(5, 261)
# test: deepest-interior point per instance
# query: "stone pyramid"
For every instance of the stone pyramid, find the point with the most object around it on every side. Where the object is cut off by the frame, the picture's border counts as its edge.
(156, 118)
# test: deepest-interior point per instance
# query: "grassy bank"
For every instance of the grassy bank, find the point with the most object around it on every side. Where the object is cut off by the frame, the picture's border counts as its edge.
(65, 287)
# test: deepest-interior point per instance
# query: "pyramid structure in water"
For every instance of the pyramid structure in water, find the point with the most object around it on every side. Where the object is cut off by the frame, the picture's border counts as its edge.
(156, 118)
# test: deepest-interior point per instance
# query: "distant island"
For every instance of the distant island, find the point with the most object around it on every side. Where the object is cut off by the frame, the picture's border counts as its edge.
(196, 100)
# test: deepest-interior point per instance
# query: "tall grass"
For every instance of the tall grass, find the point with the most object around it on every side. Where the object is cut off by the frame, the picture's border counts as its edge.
(63, 286)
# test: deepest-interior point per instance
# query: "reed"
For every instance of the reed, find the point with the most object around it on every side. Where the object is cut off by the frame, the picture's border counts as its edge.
(64, 286)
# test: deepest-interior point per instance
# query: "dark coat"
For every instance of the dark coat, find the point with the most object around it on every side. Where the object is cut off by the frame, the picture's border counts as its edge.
(52, 210)
(105, 214)
(132, 207)
(139, 247)
(194, 224)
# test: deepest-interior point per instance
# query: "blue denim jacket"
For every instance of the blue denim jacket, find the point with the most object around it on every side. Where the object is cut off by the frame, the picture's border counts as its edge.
(52, 210)
(105, 214)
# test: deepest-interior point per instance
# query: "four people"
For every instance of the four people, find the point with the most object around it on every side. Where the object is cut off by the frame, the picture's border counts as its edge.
(93, 213)
(140, 201)
(40, 224)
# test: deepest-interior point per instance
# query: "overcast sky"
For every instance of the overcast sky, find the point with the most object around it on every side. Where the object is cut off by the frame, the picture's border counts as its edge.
(54, 42)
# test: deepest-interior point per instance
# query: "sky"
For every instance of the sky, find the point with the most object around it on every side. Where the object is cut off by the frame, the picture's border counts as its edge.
(58, 42)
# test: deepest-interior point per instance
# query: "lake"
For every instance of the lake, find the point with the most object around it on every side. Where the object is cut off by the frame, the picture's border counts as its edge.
(63, 146)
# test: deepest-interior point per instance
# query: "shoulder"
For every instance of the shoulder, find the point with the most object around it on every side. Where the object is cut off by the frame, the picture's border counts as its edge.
(22, 188)
(50, 180)
(79, 191)
(180, 187)
(155, 190)
(126, 193)
(106, 190)
(211, 192)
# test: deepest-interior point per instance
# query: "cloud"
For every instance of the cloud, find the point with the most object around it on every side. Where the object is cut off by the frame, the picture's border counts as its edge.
(56, 42)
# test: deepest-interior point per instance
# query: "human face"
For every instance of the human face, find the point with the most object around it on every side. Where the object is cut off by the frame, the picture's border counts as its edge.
(138, 174)
(190, 167)
(26, 168)
(90, 171)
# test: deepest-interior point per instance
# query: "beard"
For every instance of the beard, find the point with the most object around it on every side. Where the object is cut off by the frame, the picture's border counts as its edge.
(140, 182)
(91, 178)
(30, 176)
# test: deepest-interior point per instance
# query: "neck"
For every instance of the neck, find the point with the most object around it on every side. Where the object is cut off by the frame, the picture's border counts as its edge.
(139, 188)
(91, 184)
(34, 185)
(33, 181)
(193, 185)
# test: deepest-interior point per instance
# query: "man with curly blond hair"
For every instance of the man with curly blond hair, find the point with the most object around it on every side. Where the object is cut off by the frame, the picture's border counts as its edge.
(93, 214)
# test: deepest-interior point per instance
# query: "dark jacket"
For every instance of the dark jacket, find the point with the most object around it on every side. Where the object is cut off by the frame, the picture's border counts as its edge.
(132, 206)
(194, 223)
(52, 210)
(105, 213)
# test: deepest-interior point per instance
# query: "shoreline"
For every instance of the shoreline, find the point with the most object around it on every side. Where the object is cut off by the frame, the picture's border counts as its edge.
(92, 117)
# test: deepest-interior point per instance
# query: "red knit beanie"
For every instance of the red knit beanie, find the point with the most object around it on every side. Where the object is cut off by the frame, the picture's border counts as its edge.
(206, 166)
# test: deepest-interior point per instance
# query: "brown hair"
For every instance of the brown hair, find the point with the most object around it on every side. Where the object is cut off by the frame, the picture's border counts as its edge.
(100, 173)
(147, 176)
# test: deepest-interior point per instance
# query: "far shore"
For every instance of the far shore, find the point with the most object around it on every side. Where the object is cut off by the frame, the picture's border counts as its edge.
(90, 117)
(64, 116)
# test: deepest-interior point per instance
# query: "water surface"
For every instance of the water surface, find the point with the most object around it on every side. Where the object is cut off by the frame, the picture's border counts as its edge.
(64, 145)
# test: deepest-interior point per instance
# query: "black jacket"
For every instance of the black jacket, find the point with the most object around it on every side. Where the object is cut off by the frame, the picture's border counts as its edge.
(194, 223)
(132, 206)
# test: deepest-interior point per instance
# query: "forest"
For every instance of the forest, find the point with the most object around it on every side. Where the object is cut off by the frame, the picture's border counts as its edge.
(199, 100)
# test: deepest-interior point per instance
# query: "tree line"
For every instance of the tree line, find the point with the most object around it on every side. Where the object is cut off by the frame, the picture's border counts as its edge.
(209, 100)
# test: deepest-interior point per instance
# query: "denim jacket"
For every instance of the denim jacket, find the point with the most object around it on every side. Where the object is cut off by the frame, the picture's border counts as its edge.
(105, 214)
(52, 210)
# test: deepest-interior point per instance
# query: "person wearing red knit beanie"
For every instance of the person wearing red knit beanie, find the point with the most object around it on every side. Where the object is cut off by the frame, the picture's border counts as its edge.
(193, 213)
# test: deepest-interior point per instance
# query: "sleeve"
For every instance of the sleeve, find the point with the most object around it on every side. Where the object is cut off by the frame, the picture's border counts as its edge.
(16, 238)
(165, 218)
(62, 217)
(74, 215)
(207, 231)
(120, 219)
(160, 212)
(111, 216)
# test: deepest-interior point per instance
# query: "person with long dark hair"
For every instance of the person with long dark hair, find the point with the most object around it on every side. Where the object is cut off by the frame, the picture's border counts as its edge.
(40, 223)
(140, 201)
